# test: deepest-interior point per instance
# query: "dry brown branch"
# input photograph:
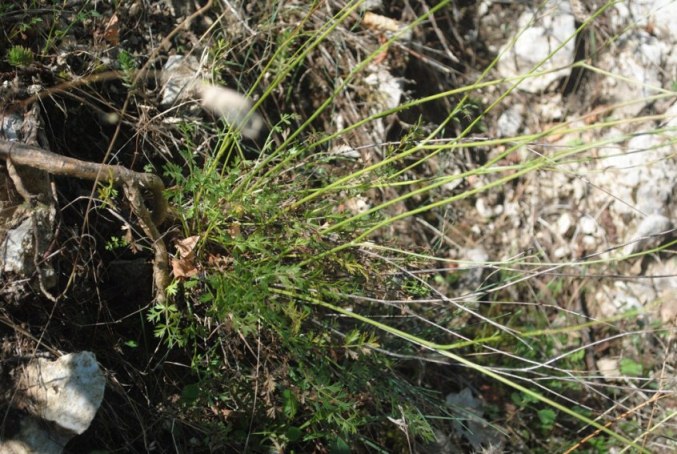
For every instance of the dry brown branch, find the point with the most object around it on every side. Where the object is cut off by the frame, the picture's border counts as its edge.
(160, 258)
(35, 157)
(133, 183)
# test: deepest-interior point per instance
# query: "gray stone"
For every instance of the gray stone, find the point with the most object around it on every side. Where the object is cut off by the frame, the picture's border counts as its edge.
(470, 422)
(648, 233)
(636, 72)
(10, 125)
(544, 31)
(67, 391)
(179, 77)
(510, 121)
(565, 224)
(18, 248)
(61, 398)
(659, 14)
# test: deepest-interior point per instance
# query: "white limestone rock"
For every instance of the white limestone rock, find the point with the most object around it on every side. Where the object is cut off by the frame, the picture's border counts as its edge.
(544, 31)
(60, 399)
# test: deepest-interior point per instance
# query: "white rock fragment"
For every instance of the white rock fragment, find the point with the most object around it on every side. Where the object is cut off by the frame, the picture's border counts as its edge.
(640, 175)
(668, 310)
(357, 205)
(61, 398)
(510, 121)
(483, 209)
(659, 14)
(476, 258)
(371, 5)
(648, 233)
(664, 14)
(636, 72)
(67, 391)
(483, 7)
(671, 115)
(512, 211)
(587, 225)
(33, 439)
(10, 125)
(179, 75)
(385, 93)
(387, 87)
(609, 368)
(453, 184)
(543, 32)
(565, 225)
(580, 189)
(655, 293)
(589, 242)
(473, 266)
(549, 108)
(617, 299)
(18, 248)
(561, 252)
(665, 287)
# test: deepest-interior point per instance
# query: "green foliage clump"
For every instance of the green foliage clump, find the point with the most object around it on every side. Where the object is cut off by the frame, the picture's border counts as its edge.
(287, 372)
(20, 56)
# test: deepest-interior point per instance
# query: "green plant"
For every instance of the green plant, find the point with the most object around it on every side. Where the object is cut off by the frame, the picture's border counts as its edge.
(321, 300)
(288, 268)
(127, 65)
(116, 242)
(319, 366)
(19, 56)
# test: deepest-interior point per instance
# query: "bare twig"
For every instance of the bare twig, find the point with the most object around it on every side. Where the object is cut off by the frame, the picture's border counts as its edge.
(35, 157)
(133, 182)
(160, 259)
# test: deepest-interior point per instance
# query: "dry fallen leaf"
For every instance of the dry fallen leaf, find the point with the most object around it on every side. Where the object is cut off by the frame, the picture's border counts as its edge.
(186, 246)
(234, 230)
(128, 238)
(184, 268)
(111, 33)
(220, 262)
(184, 265)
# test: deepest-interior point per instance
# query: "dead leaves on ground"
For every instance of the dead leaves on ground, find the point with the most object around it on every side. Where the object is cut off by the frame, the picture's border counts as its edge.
(184, 264)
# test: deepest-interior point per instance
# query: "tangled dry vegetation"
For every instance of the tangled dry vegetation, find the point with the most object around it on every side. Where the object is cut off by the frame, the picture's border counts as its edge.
(386, 247)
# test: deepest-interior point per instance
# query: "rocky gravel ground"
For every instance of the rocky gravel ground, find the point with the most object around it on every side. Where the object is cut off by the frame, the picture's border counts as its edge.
(593, 219)
(618, 196)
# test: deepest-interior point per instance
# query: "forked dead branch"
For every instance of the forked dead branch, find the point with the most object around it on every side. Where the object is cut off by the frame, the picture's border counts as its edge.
(55, 164)
(134, 183)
